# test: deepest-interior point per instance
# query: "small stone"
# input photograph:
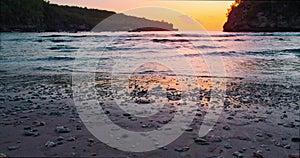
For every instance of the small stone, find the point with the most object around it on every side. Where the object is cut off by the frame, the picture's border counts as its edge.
(39, 123)
(50, 144)
(259, 135)
(189, 129)
(182, 149)
(12, 147)
(227, 146)
(2, 155)
(94, 154)
(294, 155)
(258, 154)
(62, 129)
(30, 133)
(60, 138)
(201, 141)
(163, 148)
(126, 114)
(71, 139)
(269, 112)
(59, 142)
(287, 146)
(91, 140)
(214, 138)
(289, 125)
(237, 154)
(226, 127)
(230, 118)
(295, 139)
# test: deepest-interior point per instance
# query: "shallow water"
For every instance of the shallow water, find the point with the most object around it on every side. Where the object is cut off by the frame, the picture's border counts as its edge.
(260, 55)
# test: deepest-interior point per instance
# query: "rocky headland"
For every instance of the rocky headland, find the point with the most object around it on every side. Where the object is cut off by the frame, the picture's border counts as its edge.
(263, 16)
(41, 16)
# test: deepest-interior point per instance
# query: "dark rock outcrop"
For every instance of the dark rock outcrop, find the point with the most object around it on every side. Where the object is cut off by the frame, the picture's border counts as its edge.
(263, 16)
(41, 16)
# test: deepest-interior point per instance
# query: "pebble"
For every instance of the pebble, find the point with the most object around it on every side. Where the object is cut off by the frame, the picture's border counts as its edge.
(12, 147)
(289, 125)
(259, 135)
(62, 129)
(201, 141)
(227, 146)
(189, 129)
(60, 138)
(182, 149)
(295, 139)
(293, 156)
(258, 154)
(237, 154)
(91, 140)
(214, 138)
(71, 139)
(226, 127)
(50, 144)
(30, 133)
(287, 146)
(39, 123)
(2, 155)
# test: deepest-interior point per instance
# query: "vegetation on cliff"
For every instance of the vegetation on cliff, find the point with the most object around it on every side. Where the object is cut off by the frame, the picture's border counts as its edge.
(40, 16)
(268, 15)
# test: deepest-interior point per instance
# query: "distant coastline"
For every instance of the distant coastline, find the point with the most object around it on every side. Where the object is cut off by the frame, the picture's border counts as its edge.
(41, 16)
(263, 16)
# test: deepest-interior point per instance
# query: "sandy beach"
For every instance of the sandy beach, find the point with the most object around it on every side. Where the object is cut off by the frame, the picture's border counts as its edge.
(39, 119)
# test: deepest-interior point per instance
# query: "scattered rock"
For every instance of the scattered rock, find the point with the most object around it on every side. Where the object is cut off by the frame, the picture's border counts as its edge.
(91, 140)
(189, 129)
(50, 144)
(71, 139)
(201, 141)
(237, 154)
(287, 146)
(62, 129)
(30, 133)
(226, 127)
(214, 138)
(227, 146)
(259, 135)
(182, 149)
(60, 138)
(12, 147)
(258, 154)
(294, 156)
(295, 139)
(2, 155)
(39, 123)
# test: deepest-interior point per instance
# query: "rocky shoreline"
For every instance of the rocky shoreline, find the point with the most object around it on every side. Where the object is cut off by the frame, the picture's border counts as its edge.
(37, 113)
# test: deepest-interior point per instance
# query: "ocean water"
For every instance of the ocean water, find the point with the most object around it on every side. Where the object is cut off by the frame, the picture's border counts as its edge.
(247, 55)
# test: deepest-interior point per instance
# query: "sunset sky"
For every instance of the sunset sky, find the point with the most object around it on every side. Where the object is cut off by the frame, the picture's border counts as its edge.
(211, 14)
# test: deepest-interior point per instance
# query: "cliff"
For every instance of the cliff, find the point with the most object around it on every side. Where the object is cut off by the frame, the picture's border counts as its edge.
(41, 16)
(263, 16)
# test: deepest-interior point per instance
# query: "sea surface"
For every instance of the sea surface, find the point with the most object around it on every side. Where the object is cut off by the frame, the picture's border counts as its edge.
(272, 56)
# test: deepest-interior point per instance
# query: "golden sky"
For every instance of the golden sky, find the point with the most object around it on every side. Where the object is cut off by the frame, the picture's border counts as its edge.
(211, 14)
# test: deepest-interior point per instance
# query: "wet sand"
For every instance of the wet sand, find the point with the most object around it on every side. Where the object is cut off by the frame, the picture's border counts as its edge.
(38, 118)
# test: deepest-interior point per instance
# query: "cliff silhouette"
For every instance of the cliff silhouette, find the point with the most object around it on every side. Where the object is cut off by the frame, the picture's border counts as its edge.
(263, 16)
(41, 16)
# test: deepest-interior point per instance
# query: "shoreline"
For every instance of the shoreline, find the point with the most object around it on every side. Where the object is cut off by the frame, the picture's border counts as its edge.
(248, 127)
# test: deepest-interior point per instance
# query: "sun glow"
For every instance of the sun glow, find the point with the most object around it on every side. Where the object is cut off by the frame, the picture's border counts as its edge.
(211, 14)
